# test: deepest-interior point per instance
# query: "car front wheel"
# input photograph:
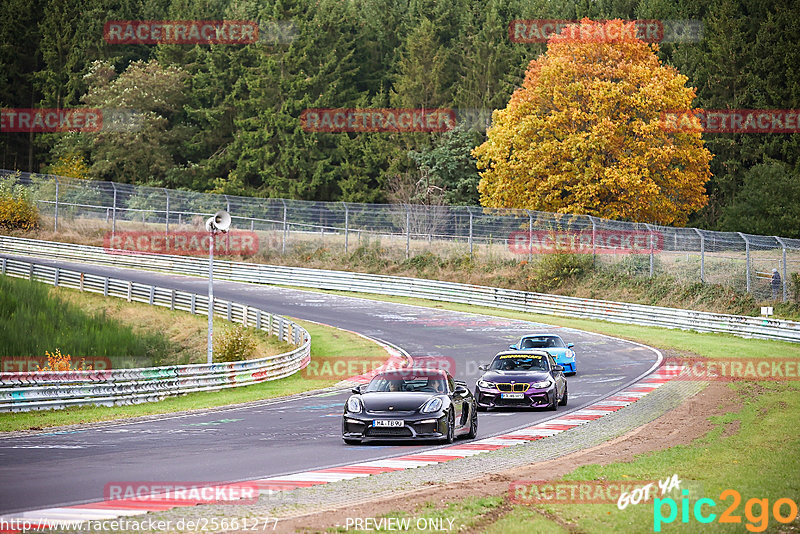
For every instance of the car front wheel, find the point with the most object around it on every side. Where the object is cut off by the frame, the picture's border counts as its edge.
(564, 397)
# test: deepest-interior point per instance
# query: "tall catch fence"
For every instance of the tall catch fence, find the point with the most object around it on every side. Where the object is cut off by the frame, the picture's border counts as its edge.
(742, 261)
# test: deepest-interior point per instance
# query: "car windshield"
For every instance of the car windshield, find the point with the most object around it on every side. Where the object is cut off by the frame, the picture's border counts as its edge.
(428, 384)
(541, 342)
(519, 363)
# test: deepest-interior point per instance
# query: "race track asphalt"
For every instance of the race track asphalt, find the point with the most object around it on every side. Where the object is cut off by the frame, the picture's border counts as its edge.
(277, 437)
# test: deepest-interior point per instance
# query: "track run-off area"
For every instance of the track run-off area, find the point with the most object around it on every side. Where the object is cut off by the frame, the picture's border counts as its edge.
(284, 436)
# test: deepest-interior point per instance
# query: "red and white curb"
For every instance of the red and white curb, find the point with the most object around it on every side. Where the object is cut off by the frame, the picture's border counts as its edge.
(113, 509)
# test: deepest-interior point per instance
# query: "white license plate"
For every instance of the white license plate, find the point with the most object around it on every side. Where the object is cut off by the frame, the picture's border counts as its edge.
(512, 395)
(388, 422)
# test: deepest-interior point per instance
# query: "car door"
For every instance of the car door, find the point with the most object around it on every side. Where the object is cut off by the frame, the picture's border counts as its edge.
(459, 403)
(558, 376)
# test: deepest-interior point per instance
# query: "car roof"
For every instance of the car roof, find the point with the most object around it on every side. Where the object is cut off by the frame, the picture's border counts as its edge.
(413, 372)
(522, 353)
(543, 334)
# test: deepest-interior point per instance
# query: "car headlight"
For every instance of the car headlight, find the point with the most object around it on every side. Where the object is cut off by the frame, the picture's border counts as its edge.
(433, 405)
(354, 405)
(485, 384)
(570, 354)
(540, 385)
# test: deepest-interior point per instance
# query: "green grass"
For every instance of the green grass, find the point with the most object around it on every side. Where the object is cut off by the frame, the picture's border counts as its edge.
(33, 321)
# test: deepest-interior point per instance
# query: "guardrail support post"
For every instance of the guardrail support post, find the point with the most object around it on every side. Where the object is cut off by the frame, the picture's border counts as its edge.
(702, 256)
(228, 312)
(172, 300)
(105, 285)
(130, 290)
(80, 286)
(747, 259)
(152, 295)
(4, 265)
(193, 305)
(30, 272)
(346, 226)
(783, 279)
(258, 319)
(55, 218)
(56, 277)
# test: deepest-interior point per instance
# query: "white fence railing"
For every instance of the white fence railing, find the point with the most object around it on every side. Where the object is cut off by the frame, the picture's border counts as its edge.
(752, 327)
(21, 391)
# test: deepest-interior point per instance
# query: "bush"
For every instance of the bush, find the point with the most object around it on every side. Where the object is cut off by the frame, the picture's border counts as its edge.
(234, 344)
(63, 362)
(17, 209)
(794, 287)
(552, 270)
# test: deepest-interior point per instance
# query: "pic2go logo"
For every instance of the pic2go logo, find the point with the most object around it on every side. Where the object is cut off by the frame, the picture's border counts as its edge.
(757, 522)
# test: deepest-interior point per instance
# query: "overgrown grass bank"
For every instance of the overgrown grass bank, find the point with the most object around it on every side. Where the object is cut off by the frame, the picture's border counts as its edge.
(35, 317)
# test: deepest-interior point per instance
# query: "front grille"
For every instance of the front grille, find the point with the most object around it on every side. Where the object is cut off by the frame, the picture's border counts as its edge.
(397, 432)
(515, 388)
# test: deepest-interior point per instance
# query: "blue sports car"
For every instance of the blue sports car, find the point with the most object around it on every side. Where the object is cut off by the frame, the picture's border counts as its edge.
(552, 343)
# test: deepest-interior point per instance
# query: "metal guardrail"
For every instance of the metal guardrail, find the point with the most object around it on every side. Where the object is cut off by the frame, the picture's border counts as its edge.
(59, 389)
(751, 327)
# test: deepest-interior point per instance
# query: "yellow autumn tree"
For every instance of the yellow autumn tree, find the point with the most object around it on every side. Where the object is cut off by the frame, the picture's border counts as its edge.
(584, 133)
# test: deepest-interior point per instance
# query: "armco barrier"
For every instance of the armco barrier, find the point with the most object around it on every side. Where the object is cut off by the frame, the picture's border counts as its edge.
(46, 390)
(751, 327)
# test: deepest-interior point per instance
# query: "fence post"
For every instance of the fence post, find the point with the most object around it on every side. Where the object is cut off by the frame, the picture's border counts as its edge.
(408, 232)
(702, 256)
(166, 192)
(783, 256)
(650, 237)
(227, 234)
(594, 249)
(114, 213)
(530, 235)
(55, 218)
(747, 261)
(346, 225)
(470, 231)
(285, 228)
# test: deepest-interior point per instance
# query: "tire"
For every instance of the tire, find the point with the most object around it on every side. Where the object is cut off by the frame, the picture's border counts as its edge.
(473, 425)
(564, 397)
(451, 428)
(554, 406)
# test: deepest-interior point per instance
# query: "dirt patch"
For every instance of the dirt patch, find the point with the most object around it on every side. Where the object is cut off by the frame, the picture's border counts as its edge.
(679, 426)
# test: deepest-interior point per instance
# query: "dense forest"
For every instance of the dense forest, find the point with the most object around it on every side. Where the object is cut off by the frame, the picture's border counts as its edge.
(226, 117)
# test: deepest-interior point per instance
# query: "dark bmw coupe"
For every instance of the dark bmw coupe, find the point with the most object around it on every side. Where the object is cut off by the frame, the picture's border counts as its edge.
(410, 404)
(523, 379)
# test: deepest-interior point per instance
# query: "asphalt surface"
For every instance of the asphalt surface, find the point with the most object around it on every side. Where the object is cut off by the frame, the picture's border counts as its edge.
(286, 436)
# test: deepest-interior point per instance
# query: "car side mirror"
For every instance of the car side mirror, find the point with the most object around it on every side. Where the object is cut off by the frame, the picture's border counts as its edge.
(570, 345)
(558, 368)
(512, 347)
(356, 390)
(461, 390)
(483, 367)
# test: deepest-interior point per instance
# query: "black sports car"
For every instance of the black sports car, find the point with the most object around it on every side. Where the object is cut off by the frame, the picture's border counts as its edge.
(410, 404)
(525, 379)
